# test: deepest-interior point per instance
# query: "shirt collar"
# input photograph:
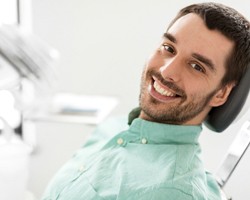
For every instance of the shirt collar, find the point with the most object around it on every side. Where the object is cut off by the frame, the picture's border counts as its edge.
(165, 133)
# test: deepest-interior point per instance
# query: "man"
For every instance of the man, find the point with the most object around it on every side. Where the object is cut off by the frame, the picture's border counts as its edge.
(202, 56)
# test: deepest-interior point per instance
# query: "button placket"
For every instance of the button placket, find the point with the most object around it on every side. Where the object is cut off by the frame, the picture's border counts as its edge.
(144, 141)
(120, 141)
(81, 168)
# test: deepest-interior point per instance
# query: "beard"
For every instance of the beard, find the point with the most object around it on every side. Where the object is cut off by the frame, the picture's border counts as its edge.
(172, 113)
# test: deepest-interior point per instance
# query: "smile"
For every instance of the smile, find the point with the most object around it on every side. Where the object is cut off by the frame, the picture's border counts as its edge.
(163, 91)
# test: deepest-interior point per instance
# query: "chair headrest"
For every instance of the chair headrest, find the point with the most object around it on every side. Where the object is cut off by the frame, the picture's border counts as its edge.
(235, 107)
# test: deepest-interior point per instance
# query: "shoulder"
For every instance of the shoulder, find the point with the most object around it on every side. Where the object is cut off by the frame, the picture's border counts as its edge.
(113, 125)
(107, 129)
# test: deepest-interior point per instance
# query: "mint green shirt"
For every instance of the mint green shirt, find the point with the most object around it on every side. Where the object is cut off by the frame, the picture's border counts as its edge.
(146, 161)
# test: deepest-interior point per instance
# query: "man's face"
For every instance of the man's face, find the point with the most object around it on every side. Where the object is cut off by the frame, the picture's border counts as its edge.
(181, 80)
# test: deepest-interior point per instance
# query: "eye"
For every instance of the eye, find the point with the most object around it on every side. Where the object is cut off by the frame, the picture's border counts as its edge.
(197, 67)
(168, 48)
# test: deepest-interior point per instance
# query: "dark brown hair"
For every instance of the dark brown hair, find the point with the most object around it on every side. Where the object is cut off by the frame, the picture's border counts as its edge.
(232, 25)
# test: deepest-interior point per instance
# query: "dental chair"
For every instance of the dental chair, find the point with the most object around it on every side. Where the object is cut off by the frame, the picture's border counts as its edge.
(221, 117)
(233, 156)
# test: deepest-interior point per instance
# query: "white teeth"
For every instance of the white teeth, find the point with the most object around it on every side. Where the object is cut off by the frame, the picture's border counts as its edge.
(162, 91)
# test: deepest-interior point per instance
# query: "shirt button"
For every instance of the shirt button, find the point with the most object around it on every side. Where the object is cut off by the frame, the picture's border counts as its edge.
(120, 141)
(144, 141)
(81, 168)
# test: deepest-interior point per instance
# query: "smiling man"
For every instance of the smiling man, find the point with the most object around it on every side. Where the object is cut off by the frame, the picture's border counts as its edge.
(201, 58)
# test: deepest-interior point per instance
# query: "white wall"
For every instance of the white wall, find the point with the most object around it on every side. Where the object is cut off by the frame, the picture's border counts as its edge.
(103, 47)
(104, 44)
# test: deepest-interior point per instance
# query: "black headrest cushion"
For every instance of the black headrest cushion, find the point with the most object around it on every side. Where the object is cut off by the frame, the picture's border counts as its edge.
(221, 117)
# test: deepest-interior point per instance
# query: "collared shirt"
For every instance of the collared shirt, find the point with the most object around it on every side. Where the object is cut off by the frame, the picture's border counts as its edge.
(148, 161)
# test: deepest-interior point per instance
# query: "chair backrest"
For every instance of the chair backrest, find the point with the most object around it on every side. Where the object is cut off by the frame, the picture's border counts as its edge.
(234, 154)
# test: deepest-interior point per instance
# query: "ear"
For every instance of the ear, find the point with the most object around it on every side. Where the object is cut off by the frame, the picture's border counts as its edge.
(221, 95)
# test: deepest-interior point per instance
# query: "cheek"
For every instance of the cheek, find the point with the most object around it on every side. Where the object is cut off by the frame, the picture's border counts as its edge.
(155, 60)
(197, 90)
(193, 88)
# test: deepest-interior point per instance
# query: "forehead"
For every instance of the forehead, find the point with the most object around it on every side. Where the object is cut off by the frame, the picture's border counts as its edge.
(192, 36)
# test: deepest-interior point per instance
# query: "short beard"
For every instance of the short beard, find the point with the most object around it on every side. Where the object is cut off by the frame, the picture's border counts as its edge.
(177, 114)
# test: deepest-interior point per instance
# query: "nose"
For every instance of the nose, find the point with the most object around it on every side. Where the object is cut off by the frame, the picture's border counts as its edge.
(171, 69)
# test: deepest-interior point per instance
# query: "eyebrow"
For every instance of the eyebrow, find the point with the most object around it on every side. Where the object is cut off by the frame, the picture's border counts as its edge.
(208, 62)
(170, 37)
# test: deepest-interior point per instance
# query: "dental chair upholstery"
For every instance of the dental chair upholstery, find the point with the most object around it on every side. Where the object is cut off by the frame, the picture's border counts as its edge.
(237, 104)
